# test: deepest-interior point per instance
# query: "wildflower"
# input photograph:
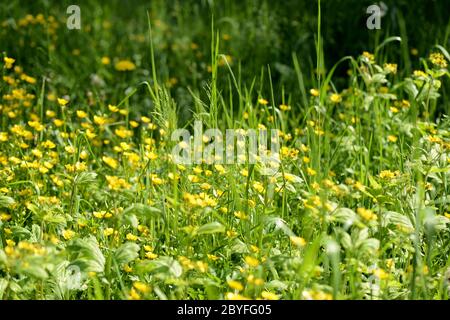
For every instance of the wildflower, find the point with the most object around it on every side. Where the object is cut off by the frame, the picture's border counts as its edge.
(314, 92)
(100, 120)
(105, 60)
(62, 102)
(438, 59)
(101, 214)
(368, 56)
(212, 257)
(151, 255)
(220, 168)
(240, 215)
(252, 262)
(366, 214)
(8, 62)
(134, 295)
(108, 231)
(140, 286)
(124, 65)
(131, 237)
(335, 98)
(298, 241)
(284, 107)
(68, 234)
(113, 163)
(311, 171)
(258, 186)
(380, 274)
(419, 74)
(387, 174)
(392, 138)
(390, 68)
(269, 295)
(127, 268)
(236, 285)
(235, 296)
(116, 183)
(262, 101)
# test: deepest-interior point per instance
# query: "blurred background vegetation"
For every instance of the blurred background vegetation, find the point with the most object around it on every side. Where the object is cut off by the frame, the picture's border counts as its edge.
(254, 34)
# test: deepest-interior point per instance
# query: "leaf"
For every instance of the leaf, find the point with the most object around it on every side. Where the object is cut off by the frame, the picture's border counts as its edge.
(35, 270)
(6, 201)
(3, 286)
(85, 178)
(212, 227)
(87, 254)
(344, 215)
(3, 258)
(166, 266)
(276, 285)
(279, 224)
(126, 253)
(20, 232)
(397, 219)
(142, 210)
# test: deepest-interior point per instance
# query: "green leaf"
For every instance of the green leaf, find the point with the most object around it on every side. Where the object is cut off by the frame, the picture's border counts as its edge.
(166, 266)
(397, 219)
(126, 253)
(3, 258)
(5, 201)
(212, 227)
(87, 255)
(84, 178)
(344, 215)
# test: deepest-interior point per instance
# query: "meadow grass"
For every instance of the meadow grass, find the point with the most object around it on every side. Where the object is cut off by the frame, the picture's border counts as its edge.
(93, 206)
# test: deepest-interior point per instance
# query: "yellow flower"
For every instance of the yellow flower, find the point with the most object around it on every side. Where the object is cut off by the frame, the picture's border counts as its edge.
(68, 234)
(110, 162)
(8, 62)
(258, 186)
(284, 107)
(235, 296)
(380, 274)
(134, 295)
(262, 101)
(127, 268)
(240, 215)
(236, 285)
(131, 237)
(438, 60)
(62, 102)
(370, 57)
(366, 214)
(392, 138)
(212, 257)
(387, 174)
(252, 262)
(142, 287)
(105, 60)
(100, 120)
(390, 68)
(269, 295)
(81, 114)
(335, 98)
(151, 255)
(58, 122)
(314, 92)
(298, 241)
(125, 65)
(108, 231)
(311, 171)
